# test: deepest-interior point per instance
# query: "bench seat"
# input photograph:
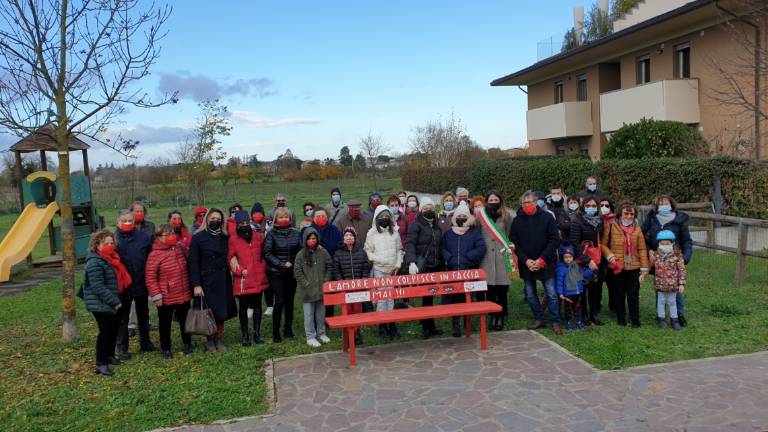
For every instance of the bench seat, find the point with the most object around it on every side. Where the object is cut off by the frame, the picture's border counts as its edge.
(413, 314)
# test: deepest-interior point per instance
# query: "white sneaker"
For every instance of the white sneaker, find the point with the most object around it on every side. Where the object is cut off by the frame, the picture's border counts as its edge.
(268, 311)
(324, 339)
(313, 343)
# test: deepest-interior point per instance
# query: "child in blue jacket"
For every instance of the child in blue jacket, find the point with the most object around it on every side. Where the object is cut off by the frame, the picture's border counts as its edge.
(570, 285)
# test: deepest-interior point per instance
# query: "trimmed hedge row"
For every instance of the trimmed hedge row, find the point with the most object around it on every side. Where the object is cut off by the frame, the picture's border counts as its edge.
(744, 183)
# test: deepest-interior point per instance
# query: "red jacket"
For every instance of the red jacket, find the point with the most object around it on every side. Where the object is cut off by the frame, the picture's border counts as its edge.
(248, 258)
(184, 237)
(167, 276)
(231, 226)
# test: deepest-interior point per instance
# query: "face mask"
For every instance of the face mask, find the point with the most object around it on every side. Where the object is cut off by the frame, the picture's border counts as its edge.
(126, 227)
(176, 222)
(138, 217)
(592, 187)
(281, 204)
(627, 223)
(666, 249)
(171, 240)
(257, 217)
(574, 206)
(556, 198)
(605, 210)
(199, 221)
(394, 210)
(375, 203)
(460, 222)
(309, 213)
(321, 220)
(244, 229)
(282, 223)
(402, 200)
(448, 205)
(529, 209)
(590, 211)
(429, 214)
(349, 241)
(336, 199)
(665, 209)
(107, 249)
(540, 203)
(214, 225)
(412, 204)
(494, 207)
(384, 223)
(354, 212)
(311, 243)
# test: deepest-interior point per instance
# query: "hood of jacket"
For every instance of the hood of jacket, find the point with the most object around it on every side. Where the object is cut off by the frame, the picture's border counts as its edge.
(379, 209)
(307, 231)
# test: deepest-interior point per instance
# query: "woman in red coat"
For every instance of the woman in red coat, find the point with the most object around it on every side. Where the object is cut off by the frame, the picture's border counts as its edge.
(250, 273)
(168, 285)
(179, 227)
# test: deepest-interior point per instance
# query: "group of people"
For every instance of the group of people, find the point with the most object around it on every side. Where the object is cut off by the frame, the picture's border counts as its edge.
(228, 261)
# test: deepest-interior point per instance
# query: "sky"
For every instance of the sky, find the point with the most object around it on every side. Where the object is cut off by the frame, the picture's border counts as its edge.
(315, 76)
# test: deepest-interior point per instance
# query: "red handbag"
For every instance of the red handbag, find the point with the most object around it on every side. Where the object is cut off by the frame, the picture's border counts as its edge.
(593, 252)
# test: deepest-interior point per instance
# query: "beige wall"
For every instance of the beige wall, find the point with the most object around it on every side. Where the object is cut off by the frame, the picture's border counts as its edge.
(646, 10)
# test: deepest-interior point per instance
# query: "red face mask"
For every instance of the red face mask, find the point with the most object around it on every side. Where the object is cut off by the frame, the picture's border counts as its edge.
(529, 209)
(176, 222)
(126, 227)
(311, 243)
(199, 220)
(282, 223)
(138, 217)
(375, 203)
(321, 220)
(354, 212)
(107, 249)
(171, 240)
(257, 217)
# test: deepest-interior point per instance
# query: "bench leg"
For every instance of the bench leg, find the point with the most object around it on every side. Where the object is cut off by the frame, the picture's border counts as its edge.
(483, 340)
(468, 325)
(351, 338)
(344, 340)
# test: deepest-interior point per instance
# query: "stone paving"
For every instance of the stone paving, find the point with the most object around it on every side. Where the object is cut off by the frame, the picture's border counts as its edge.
(524, 382)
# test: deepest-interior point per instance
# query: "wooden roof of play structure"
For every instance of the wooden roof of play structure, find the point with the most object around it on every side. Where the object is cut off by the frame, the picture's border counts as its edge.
(44, 139)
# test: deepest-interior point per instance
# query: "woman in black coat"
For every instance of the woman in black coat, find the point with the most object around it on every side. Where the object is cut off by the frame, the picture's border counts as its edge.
(586, 226)
(209, 273)
(281, 245)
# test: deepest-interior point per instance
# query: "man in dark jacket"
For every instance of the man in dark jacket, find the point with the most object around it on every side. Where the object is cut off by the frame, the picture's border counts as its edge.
(133, 246)
(590, 190)
(140, 219)
(556, 204)
(535, 235)
(355, 218)
(374, 200)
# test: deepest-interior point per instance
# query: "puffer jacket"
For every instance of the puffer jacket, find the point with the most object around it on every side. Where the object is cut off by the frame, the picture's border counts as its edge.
(100, 286)
(134, 248)
(281, 246)
(351, 263)
(582, 231)
(424, 241)
(167, 276)
(679, 226)
(670, 271)
(445, 220)
(384, 250)
(461, 252)
(249, 257)
(402, 227)
(562, 286)
(311, 269)
(612, 243)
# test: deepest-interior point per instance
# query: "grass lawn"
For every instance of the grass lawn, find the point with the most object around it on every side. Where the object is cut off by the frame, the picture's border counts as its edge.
(47, 385)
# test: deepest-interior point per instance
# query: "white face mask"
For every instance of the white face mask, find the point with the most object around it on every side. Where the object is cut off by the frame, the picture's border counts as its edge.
(666, 249)
(556, 198)
(412, 204)
(605, 210)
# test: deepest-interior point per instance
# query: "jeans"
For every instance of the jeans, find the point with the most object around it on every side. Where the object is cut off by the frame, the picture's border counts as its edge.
(680, 300)
(284, 288)
(105, 342)
(165, 318)
(663, 299)
(383, 305)
(142, 314)
(314, 319)
(533, 300)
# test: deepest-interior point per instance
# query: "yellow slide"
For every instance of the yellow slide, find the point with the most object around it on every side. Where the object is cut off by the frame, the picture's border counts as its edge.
(23, 236)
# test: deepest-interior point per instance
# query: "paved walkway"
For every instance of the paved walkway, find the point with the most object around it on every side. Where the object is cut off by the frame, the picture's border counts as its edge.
(523, 383)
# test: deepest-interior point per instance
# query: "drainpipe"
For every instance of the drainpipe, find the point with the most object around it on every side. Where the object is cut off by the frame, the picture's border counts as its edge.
(521, 89)
(758, 49)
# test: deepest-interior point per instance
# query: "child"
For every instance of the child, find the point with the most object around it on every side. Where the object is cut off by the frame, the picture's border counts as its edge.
(570, 286)
(385, 251)
(670, 277)
(312, 268)
(351, 262)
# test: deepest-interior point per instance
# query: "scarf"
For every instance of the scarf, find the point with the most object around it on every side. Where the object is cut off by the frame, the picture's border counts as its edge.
(123, 277)
(213, 232)
(594, 221)
(460, 230)
(507, 248)
(665, 219)
(574, 276)
(629, 250)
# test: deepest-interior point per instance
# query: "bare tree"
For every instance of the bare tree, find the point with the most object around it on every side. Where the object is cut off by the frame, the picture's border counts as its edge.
(75, 65)
(372, 146)
(445, 142)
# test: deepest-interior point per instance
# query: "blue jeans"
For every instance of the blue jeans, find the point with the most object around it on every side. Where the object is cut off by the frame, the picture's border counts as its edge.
(533, 300)
(680, 300)
(666, 299)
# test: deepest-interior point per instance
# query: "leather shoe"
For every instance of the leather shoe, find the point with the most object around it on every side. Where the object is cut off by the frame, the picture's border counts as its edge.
(167, 354)
(104, 370)
(596, 321)
(114, 362)
(435, 331)
(537, 325)
(188, 348)
(556, 328)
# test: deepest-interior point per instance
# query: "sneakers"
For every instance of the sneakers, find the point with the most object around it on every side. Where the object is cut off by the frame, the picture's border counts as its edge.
(568, 326)
(581, 326)
(324, 339)
(314, 343)
(268, 311)
(681, 319)
(662, 323)
(676, 324)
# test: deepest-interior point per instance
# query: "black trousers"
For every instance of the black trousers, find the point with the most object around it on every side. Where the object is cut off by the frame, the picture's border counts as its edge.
(244, 302)
(627, 286)
(142, 316)
(284, 288)
(498, 295)
(269, 297)
(430, 322)
(108, 324)
(165, 317)
(573, 307)
(591, 301)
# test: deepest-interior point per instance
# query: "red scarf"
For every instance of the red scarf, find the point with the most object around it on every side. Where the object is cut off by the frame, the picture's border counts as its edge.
(629, 250)
(123, 277)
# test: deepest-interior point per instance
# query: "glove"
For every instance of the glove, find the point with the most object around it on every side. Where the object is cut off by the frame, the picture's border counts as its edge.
(412, 269)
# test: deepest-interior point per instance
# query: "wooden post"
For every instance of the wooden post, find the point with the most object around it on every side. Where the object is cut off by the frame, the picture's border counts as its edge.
(710, 232)
(741, 259)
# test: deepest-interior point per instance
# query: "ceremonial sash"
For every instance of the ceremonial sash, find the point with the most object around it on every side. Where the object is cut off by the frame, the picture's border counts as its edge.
(507, 248)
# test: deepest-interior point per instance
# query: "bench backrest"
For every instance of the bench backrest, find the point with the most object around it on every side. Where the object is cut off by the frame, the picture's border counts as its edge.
(344, 292)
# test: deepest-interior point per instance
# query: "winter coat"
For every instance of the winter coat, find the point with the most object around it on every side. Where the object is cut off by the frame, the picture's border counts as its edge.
(679, 226)
(445, 221)
(384, 250)
(249, 257)
(329, 237)
(411, 215)
(424, 242)
(402, 227)
(493, 262)
(312, 269)
(535, 237)
(184, 236)
(167, 274)
(271, 216)
(335, 213)
(134, 248)
(147, 228)
(561, 215)
(582, 231)
(461, 252)
(670, 271)
(361, 225)
(100, 285)
(562, 276)
(351, 264)
(208, 268)
(281, 246)
(612, 243)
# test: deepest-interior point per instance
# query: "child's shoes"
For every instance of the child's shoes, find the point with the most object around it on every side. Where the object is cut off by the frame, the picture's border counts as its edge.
(663, 323)
(313, 343)
(581, 326)
(568, 326)
(676, 324)
(324, 339)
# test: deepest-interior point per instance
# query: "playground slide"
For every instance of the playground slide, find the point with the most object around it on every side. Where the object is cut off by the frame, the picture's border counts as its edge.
(23, 236)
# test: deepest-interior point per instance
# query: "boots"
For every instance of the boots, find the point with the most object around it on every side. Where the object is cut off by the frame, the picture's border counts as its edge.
(676, 324)
(219, 343)
(500, 322)
(392, 331)
(210, 344)
(103, 370)
(188, 349)
(662, 323)
(383, 331)
(257, 338)
(358, 338)
(456, 327)
(257, 329)
(682, 321)
(246, 339)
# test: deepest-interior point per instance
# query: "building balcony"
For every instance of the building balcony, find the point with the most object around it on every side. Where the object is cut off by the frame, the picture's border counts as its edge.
(676, 100)
(562, 120)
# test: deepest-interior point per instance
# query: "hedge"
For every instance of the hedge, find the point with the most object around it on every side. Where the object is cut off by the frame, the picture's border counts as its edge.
(744, 183)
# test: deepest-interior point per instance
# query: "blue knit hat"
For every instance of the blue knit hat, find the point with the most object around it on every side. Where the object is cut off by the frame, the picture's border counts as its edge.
(566, 249)
(242, 216)
(665, 235)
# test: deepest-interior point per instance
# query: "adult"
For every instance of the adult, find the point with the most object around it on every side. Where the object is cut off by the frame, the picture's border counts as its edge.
(608, 215)
(259, 224)
(209, 274)
(281, 245)
(356, 219)
(351, 262)
(244, 255)
(398, 217)
(374, 201)
(308, 214)
(423, 254)
(179, 227)
(199, 215)
(448, 205)
(664, 215)
(536, 238)
(411, 208)
(478, 201)
(590, 189)
(140, 214)
(133, 246)
(336, 208)
(231, 225)
(573, 204)
(105, 278)
(556, 204)
(493, 263)
(329, 236)
(281, 201)
(462, 194)
(168, 285)
(624, 247)
(402, 196)
(585, 232)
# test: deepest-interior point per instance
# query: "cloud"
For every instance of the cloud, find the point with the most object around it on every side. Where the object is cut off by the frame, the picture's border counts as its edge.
(255, 121)
(151, 135)
(201, 87)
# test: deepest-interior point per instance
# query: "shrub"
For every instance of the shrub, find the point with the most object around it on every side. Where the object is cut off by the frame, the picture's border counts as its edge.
(435, 180)
(650, 138)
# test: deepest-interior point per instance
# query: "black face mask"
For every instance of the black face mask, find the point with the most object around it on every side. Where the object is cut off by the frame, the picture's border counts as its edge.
(430, 214)
(214, 225)
(384, 223)
(245, 232)
(460, 222)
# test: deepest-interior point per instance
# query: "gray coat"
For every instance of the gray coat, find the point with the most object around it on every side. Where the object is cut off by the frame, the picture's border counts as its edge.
(493, 262)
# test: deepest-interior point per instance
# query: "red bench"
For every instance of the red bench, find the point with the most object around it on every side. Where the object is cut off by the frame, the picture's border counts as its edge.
(348, 293)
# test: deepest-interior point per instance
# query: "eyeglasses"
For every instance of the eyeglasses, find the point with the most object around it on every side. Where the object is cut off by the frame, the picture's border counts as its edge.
(281, 201)
(630, 213)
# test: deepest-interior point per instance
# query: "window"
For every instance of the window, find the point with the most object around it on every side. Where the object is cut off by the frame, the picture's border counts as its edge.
(560, 150)
(584, 149)
(581, 90)
(558, 92)
(644, 69)
(683, 61)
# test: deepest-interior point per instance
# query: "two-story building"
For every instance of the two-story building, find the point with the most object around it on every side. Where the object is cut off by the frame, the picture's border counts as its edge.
(665, 59)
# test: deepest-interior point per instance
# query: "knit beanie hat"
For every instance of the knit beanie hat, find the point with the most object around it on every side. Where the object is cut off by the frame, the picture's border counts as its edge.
(425, 201)
(566, 250)
(350, 230)
(257, 208)
(200, 211)
(242, 216)
(463, 210)
(335, 190)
